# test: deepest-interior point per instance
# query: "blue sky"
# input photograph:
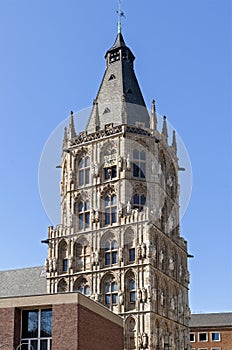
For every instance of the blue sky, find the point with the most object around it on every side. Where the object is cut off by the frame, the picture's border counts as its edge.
(52, 61)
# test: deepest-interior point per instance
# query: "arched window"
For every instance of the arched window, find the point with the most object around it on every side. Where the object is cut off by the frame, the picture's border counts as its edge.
(82, 254)
(83, 171)
(111, 253)
(111, 293)
(132, 290)
(110, 209)
(139, 200)
(83, 215)
(82, 287)
(132, 331)
(62, 286)
(139, 164)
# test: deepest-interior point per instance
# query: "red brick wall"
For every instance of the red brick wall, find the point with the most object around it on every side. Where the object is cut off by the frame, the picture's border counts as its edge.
(225, 343)
(7, 327)
(96, 332)
(65, 327)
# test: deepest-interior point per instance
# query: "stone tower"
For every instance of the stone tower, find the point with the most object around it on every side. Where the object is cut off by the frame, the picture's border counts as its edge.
(119, 241)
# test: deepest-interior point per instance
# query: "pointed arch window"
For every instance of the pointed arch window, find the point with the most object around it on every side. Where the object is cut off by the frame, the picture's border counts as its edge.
(83, 215)
(82, 254)
(139, 164)
(110, 209)
(132, 333)
(111, 293)
(132, 290)
(82, 287)
(111, 253)
(84, 171)
(139, 201)
(63, 257)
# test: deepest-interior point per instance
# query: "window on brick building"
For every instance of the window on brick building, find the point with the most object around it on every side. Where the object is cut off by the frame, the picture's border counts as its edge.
(36, 329)
(215, 336)
(192, 337)
(203, 336)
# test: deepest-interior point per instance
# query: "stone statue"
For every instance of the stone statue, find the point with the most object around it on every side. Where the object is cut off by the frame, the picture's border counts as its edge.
(172, 304)
(170, 180)
(54, 265)
(145, 340)
(161, 257)
(144, 295)
(120, 163)
(171, 264)
(128, 207)
(121, 298)
(162, 299)
(128, 162)
(144, 248)
(139, 251)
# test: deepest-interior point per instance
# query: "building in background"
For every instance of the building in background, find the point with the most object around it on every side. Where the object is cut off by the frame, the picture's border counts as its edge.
(211, 331)
(119, 239)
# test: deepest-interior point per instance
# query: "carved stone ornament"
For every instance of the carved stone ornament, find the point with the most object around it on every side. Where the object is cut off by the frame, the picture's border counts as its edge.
(128, 162)
(169, 180)
(171, 264)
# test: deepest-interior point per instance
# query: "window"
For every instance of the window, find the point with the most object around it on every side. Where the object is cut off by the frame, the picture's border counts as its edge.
(112, 77)
(111, 293)
(82, 253)
(65, 265)
(215, 348)
(111, 253)
(139, 164)
(192, 337)
(84, 215)
(82, 287)
(139, 201)
(36, 329)
(215, 336)
(110, 209)
(110, 173)
(203, 337)
(131, 254)
(132, 291)
(84, 171)
(107, 110)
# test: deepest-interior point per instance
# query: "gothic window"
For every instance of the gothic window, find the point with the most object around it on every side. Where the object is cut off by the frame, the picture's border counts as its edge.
(131, 334)
(84, 171)
(110, 173)
(131, 255)
(139, 201)
(63, 257)
(129, 244)
(62, 286)
(110, 209)
(82, 286)
(139, 164)
(132, 290)
(110, 293)
(83, 215)
(82, 253)
(111, 253)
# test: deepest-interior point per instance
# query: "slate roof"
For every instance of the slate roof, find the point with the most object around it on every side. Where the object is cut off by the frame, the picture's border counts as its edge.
(22, 282)
(211, 320)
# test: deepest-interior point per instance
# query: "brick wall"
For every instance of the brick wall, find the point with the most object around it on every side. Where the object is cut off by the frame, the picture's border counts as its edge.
(224, 344)
(96, 332)
(7, 316)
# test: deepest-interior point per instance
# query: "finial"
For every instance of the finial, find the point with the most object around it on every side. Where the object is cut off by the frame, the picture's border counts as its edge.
(153, 119)
(96, 115)
(174, 143)
(165, 129)
(71, 128)
(120, 15)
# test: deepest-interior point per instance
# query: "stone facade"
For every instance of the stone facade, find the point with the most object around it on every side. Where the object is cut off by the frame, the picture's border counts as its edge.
(119, 240)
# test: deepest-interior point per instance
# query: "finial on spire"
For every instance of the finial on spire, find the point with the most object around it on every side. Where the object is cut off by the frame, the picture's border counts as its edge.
(165, 129)
(174, 143)
(120, 15)
(96, 115)
(153, 119)
(71, 128)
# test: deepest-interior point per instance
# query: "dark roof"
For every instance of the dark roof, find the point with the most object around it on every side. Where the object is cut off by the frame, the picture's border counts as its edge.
(22, 282)
(211, 320)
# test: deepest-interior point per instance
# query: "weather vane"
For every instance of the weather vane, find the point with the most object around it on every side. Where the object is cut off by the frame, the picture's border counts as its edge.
(120, 15)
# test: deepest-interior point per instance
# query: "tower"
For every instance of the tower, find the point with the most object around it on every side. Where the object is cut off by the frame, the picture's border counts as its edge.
(119, 239)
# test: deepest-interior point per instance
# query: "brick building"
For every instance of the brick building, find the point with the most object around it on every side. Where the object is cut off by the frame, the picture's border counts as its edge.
(211, 331)
(59, 322)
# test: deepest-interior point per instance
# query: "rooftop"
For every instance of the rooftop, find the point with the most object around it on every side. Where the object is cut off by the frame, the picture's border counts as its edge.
(211, 320)
(23, 282)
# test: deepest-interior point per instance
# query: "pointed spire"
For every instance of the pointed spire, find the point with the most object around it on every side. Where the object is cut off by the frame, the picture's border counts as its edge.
(124, 112)
(153, 118)
(174, 143)
(65, 139)
(71, 128)
(96, 115)
(165, 129)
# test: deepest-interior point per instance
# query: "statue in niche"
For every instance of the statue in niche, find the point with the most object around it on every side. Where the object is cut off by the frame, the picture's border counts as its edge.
(128, 162)
(54, 265)
(120, 254)
(97, 216)
(144, 295)
(139, 251)
(144, 249)
(140, 295)
(153, 166)
(180, 271)
(171, 264)
(120, 209)
(145, 340)
(170, 223)
(172, 304)
(121, 298)
(170, 180)
(162, 299)
(128, 207)
(120, 163)
(96, 257)
(161, 257)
